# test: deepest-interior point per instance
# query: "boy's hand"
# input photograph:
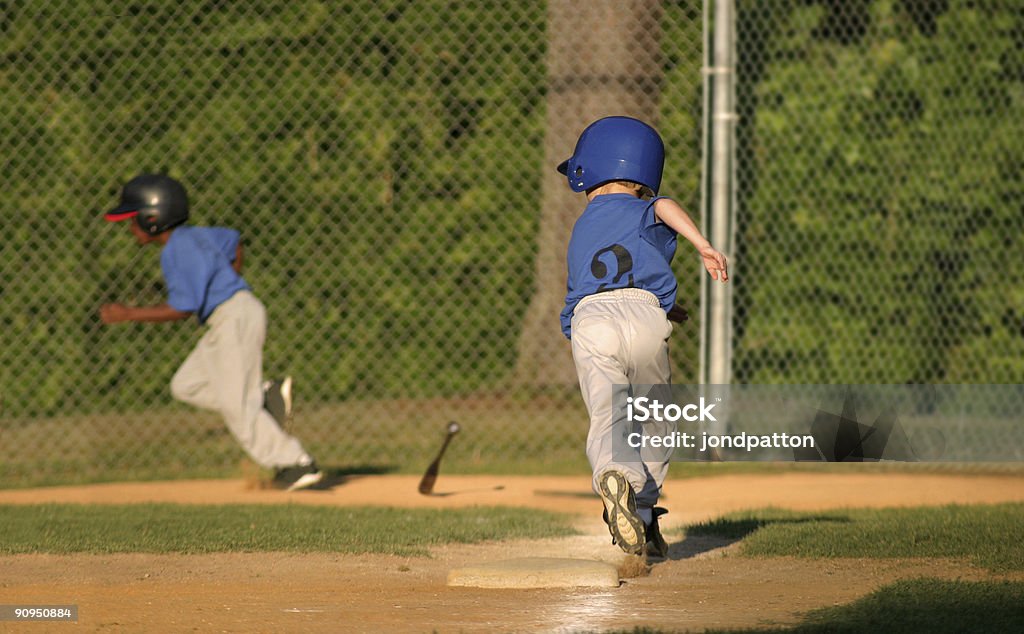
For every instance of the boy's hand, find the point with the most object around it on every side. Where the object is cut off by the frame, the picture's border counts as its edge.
(678, 314)
(715, 263)
(669, 212)
(114, 313)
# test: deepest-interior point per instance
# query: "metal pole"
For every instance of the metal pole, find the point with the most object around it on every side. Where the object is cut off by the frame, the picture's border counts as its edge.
(716, 305)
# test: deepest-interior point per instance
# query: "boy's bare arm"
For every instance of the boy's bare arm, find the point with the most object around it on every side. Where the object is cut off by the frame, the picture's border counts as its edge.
(669, 212)
(115, 313)
(237, 262)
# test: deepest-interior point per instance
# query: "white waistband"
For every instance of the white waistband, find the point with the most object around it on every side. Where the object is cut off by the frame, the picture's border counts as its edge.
(638, 295)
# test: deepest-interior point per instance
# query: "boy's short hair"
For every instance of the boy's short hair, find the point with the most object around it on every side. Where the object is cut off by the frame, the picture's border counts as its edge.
(643, 191)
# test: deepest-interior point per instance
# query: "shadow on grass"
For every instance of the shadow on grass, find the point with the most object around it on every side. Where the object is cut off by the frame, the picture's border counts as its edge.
(724, 532)
(913, 606)
(927, 605)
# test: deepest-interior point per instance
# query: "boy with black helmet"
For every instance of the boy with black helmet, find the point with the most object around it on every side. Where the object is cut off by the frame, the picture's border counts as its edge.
(202, 268)
(620, 290)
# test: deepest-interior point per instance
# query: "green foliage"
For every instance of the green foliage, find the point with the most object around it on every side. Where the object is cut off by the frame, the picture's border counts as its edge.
(383, 161)
(882, 230)
(363, 148)
(680, 124)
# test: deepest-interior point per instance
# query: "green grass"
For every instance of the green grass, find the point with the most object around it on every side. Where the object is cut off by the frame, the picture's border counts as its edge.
(926, 605)
(916, 606)
(173, 442)
(172, 528)
(987, 535)
(524, 436)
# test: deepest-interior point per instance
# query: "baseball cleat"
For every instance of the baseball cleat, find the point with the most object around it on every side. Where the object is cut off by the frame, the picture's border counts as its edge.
(296, 478)
(277, 399)
(657, 547)
(624, 524)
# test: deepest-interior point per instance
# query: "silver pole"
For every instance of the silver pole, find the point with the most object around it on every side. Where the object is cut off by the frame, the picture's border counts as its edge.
(716, 305)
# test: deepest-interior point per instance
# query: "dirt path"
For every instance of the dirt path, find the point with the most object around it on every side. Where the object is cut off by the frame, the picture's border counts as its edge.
(277, 592)
(697, 588)
(689, 500)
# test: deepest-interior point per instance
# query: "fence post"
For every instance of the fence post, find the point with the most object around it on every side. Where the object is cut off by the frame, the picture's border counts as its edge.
(718, 195)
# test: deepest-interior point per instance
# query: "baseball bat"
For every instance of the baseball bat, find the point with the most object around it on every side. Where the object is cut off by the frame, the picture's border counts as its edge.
(430, 477)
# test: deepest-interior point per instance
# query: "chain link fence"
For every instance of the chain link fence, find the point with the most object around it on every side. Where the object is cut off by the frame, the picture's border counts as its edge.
(881, 192)
(391, 168)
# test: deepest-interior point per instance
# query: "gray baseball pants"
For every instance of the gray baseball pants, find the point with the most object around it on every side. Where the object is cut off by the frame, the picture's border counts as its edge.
(224, 373)
(620, 338)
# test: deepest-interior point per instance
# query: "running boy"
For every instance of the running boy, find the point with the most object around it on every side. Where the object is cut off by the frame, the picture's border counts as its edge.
(202, 268)
(620, 291)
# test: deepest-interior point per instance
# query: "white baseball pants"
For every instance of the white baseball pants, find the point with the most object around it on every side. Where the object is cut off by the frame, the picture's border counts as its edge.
(620, 338)
(224, 373)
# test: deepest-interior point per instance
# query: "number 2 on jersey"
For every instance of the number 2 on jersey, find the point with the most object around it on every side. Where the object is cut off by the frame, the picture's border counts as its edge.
(624, 264)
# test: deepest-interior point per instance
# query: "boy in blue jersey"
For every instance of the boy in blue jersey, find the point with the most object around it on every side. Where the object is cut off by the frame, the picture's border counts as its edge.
(202, 268)
(621, 290)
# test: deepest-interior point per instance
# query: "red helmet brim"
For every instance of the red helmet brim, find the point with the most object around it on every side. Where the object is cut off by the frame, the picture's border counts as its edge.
(119, 214)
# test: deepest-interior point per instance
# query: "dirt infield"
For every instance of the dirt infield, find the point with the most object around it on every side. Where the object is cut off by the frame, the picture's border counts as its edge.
(699, 587)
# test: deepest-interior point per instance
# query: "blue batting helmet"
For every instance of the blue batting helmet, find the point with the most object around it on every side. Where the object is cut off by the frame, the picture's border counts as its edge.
(616, 149)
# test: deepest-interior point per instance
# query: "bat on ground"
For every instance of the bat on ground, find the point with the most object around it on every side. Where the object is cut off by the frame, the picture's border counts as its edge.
(430, 477)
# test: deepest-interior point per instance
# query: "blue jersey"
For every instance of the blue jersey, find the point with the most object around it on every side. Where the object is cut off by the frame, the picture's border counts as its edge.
(196, 262)
(619, 243)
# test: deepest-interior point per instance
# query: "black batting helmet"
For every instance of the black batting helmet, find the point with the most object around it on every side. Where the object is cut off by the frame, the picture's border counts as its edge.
(156, 201)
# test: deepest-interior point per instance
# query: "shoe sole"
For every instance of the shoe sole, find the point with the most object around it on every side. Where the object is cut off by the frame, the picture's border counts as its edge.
(306, 481)
(277, 399)
(286, 396)
(620, 504)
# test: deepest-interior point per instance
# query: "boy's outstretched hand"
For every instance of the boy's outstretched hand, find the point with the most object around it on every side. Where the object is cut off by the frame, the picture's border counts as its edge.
(715, 263)
(669, 212)
(114, 313)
